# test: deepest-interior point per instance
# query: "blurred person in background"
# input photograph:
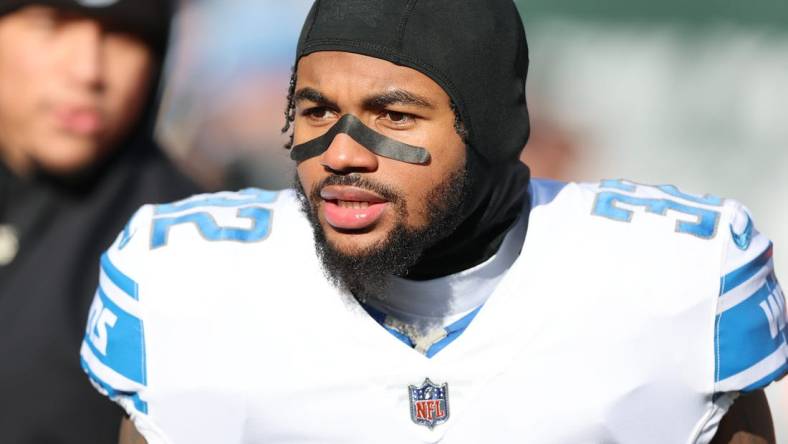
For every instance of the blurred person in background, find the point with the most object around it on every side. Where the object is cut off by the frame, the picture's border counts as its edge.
(78, 94)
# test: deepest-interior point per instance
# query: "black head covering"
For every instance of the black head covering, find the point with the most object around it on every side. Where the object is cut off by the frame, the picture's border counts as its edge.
(477, 52)
(63, 225)
(149, 19)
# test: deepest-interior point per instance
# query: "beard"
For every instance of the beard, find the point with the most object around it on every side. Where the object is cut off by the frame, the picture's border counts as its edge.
(366, 272)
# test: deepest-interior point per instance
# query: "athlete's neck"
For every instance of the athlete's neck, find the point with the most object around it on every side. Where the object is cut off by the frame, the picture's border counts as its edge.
(499, 195)
(440, 301)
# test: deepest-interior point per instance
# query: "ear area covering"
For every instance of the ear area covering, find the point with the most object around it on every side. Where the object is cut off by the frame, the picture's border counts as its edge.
(366, 137)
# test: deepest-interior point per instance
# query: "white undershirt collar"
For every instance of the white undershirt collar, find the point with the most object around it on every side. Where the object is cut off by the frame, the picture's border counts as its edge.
(444, 300)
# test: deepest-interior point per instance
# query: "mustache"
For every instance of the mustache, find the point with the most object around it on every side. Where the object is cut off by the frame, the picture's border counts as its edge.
(356, 180)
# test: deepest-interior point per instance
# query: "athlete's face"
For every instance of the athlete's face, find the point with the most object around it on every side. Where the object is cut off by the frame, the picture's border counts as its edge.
(70, 88)
(360, 198)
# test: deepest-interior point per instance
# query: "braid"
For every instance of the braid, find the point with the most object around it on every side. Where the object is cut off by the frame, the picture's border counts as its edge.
(458, 125)
(290, 109)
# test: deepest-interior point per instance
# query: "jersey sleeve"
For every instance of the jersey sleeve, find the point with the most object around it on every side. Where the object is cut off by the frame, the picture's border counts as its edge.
(750, 324)
(113, 349)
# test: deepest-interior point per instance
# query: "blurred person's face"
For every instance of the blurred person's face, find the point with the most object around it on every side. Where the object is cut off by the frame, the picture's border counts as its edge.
(70, 88)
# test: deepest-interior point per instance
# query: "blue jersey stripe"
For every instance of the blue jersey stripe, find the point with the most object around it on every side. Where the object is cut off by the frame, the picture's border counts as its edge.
(117, 277)
(766, 380)
(139, 404)
(745, 272)
(743, 336)
(124, 341)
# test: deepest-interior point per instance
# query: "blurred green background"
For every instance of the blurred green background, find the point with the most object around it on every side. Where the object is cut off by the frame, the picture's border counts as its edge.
(759, 13)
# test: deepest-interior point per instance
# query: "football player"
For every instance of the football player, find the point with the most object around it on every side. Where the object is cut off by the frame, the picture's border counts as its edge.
(418, 286)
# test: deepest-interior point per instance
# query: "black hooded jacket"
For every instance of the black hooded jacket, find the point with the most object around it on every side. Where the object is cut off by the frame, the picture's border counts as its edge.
(62, 226)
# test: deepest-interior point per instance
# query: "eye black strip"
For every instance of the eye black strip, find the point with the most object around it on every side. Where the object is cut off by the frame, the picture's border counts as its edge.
(367, 137)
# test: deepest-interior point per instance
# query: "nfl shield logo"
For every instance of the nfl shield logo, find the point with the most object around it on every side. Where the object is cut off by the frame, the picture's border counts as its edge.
(429, 404)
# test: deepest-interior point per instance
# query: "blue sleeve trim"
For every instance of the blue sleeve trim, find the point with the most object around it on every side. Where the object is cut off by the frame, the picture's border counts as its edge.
(117, 339)
(744, 335)
(768, 379)
(745, 272)
(139, 404)
(117, 277)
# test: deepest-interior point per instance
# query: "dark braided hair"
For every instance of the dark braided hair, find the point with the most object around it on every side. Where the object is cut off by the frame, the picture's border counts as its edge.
(459, 127)
(290, 114)
(290, 109)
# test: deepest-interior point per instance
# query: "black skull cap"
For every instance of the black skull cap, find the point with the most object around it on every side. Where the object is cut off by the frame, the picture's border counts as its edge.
(149, 19)
(474, 49)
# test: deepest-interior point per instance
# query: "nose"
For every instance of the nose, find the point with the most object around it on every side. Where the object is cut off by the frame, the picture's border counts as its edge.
(82, 54)
(345, 156)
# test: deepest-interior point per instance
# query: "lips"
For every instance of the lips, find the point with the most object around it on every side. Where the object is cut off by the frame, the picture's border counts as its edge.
(351, 208)
(80, 120)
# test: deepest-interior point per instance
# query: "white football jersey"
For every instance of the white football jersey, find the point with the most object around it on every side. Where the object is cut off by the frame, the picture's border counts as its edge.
(633, 314)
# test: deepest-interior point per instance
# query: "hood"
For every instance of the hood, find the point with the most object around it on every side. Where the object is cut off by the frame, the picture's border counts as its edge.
(477, 52)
